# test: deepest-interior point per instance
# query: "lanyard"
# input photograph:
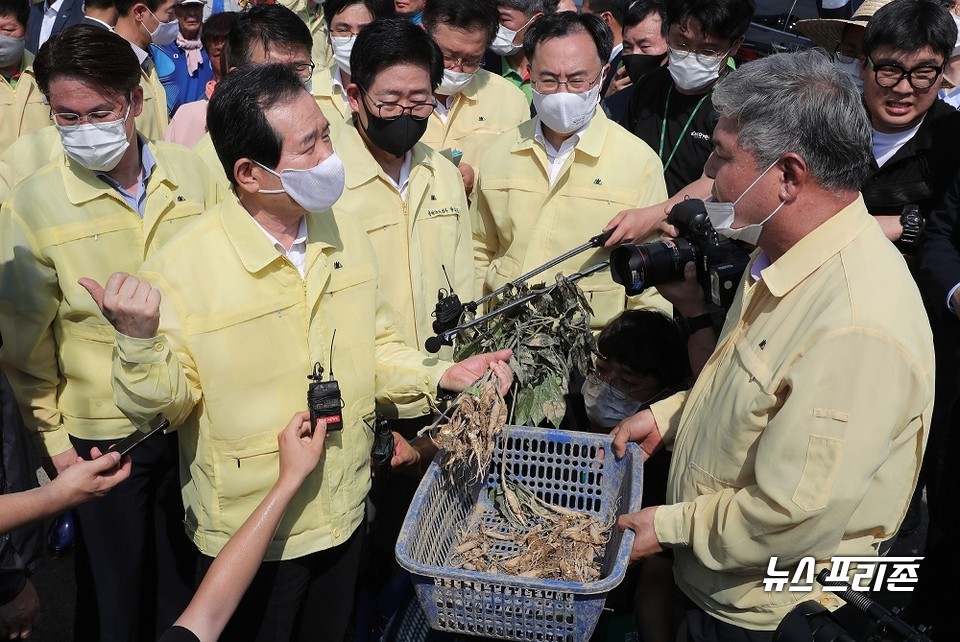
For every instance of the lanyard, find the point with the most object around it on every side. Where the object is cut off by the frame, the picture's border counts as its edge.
(663, 127)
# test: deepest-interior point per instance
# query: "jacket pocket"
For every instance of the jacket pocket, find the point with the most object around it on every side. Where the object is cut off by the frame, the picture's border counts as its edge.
(244, 470)
(820, 470)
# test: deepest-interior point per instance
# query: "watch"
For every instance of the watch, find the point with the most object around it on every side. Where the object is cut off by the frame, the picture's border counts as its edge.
(689, 325)
(912, 223)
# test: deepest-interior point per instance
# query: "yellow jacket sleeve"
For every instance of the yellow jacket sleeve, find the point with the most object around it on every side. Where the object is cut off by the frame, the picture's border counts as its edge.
(29, 299)
(156, 375)
(815, 458)
(484, 236)
(667, 414)
(404, 375)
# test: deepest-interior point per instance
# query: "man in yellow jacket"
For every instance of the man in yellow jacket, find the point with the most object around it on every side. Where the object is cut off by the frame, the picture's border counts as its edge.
(287, 286)
(551, 184)
(22, 109)
(802, 438)
(267, 33)
(110, 201)
(407, 197)
(345, 19)
(143, 23)
(474, 106)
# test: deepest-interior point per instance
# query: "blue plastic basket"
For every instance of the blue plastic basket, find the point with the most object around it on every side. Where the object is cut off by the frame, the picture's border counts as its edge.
(562, 468)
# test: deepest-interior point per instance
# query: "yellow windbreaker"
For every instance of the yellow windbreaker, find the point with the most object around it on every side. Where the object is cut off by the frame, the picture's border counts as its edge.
(231, 366)
(22, 110)
(59, 225)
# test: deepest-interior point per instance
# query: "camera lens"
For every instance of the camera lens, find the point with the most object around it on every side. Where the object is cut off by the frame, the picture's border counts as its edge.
(637, 267)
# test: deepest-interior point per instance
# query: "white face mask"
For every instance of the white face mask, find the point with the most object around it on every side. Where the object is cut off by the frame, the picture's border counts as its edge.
(97, 146)
(342, 48)
(453, 82)
(721, 216)
(606, 406)
(853, 69)
(11, 50)
(503, 42)
(314, 189)
(165, 33)
(307, 84)
(689, 74)
(565, 112)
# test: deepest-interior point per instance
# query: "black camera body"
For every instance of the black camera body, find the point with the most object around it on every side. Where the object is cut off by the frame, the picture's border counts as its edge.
(720, 262)
(324, 400)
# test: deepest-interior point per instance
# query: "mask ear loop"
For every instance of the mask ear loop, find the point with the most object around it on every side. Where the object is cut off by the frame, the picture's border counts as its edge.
(271, 191)
(756, 180)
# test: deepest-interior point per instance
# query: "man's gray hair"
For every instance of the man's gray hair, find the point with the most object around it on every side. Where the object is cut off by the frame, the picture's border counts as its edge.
(800, 102)
(530, 7)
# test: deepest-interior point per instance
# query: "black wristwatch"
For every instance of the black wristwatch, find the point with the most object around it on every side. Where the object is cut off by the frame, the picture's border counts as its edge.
(912, 223)
(689, 325)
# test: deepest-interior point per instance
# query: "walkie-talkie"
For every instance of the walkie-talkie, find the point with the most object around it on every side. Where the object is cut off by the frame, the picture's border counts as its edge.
(449, 309)
(323, 397)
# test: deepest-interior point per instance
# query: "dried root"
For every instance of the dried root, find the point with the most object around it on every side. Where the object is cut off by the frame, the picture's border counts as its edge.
(469, 437)
(542, 540)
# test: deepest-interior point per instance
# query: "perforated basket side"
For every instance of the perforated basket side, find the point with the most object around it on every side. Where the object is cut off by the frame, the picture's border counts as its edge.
(439, 511)
(561, 468)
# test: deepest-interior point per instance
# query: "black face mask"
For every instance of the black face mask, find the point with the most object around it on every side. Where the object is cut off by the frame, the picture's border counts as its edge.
(639, 65)
(396, 136)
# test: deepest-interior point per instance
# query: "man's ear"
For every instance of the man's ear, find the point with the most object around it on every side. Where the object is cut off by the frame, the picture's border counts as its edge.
(736, 47)
(354, 98)
(245, 176)
(136, 101)
(796, 174)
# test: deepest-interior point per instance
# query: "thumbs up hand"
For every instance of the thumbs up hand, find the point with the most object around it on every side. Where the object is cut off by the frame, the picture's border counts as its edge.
(130, 305)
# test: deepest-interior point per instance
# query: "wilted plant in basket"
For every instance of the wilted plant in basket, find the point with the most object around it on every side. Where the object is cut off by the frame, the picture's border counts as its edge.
(531, 538)
(550, 337)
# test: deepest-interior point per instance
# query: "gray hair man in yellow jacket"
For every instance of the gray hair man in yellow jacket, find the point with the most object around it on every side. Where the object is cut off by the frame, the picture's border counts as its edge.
(265, 286)
(802, 438)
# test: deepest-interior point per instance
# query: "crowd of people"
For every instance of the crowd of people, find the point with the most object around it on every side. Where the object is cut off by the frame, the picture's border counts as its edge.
(206, 201)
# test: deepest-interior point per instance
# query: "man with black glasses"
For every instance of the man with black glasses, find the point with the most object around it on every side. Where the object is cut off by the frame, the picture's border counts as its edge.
(915, 135)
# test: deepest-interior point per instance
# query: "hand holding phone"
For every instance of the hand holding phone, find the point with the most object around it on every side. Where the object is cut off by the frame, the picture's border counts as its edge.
(126, 445)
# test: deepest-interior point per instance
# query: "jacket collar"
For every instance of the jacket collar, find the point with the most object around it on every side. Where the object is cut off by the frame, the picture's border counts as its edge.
(591, 141)
(816, 248)
(253, 247)
(82, 185)
(361, 166)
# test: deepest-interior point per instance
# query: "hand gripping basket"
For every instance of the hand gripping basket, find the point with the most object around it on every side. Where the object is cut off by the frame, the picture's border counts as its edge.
(562, 468)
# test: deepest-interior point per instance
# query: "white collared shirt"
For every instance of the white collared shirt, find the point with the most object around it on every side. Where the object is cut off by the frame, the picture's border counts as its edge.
(50, 12)
(557, 157)
(613, 54)
(444, 105)
(402, 184)
(143, 56)
(298, 251)
(339, 88)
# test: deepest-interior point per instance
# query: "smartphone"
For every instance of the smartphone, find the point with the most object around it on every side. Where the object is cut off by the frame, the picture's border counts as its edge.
(452, 155)
(156, 425)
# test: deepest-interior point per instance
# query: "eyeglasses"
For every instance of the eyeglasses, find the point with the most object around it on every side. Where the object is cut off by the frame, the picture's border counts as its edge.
(344, 33)
(393, 111)
(845, 54)
(922, 77)
(66, 118)
(704, 56)
(303, 69)
(466, 66)
(576, 86)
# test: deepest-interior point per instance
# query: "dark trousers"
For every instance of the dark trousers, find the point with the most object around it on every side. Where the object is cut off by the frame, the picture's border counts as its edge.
(705, 628)
(307, 598)
(134, 563)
